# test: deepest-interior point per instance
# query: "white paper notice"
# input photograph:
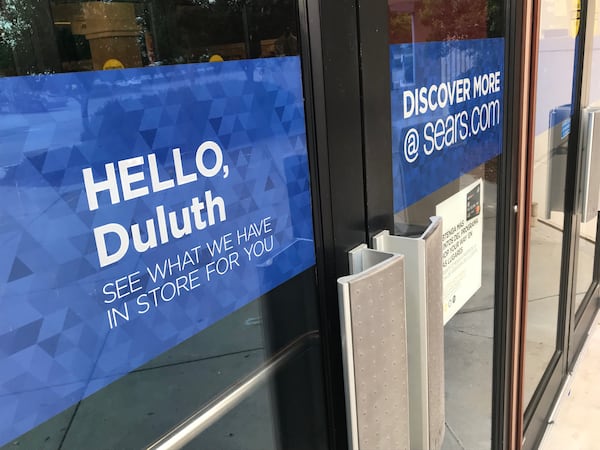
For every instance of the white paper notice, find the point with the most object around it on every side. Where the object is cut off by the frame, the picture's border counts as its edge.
(462, 246)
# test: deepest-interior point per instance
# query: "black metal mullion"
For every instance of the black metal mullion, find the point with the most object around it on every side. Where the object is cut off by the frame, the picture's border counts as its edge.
(506, 230)
(375, 86)
(572, 194)
(310, 48)
(329, 38)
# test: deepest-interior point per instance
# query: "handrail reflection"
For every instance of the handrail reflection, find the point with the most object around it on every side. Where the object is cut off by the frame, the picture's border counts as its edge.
(215, 409)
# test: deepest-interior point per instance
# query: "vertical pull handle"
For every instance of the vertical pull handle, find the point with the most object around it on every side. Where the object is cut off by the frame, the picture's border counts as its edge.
(425, 331)
(372, 314)
(590, 201)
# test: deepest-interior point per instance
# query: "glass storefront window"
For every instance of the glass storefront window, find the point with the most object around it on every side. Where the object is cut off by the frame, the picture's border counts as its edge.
(553, 119)
(156, 220)
(67, 36)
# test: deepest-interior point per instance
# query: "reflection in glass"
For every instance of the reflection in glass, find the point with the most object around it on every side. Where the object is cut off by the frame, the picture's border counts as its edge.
(553, 126)
(67, 36)
(245, 428)
(587, 231)
(142, 406)
(585, 260)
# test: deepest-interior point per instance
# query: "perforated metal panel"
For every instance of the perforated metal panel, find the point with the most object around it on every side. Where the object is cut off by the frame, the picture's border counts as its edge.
(374, 339)
(435, 338)
(425, 332)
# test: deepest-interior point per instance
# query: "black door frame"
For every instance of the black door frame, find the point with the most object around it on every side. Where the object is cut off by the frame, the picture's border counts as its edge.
(345, 51)
(329, 47)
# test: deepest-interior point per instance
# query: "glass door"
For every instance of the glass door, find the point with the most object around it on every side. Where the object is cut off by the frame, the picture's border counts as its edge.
(157, 227)
(446, 89)
(545, 337)
(586, 233)
(555, 78)
(562, 273)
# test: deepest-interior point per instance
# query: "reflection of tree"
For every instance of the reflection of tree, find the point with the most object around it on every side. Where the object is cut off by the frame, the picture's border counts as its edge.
(462, 19)
(14, 21)
(400, 27)
(6, 60)
(495, 18)
(27, 31)
(445, 20)
(454, 19)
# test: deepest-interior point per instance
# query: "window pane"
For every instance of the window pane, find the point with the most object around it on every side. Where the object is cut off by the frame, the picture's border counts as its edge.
(447, 78)
(553, 126)
(156, 219)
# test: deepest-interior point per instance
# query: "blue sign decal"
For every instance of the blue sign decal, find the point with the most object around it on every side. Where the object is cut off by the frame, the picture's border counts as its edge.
(446, 112)
(139, 207)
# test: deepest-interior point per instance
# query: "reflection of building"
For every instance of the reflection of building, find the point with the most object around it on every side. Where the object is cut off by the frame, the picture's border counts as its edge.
(112, 33)
(91, 33)
(70, 36)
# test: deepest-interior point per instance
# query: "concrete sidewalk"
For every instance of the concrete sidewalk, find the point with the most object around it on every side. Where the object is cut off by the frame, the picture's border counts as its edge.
(575, 424)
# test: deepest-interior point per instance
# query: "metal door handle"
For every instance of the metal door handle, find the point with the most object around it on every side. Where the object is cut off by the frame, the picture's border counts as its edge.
(590, 187)
(425, 331)
(372, 316)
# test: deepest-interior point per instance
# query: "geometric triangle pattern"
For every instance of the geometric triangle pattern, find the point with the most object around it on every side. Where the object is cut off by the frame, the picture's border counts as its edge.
(19, 270)
(70, 326)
